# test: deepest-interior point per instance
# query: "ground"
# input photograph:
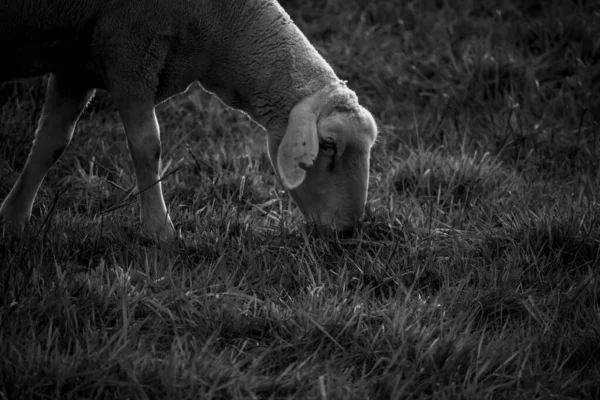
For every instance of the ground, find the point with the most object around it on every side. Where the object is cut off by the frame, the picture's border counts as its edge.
(475, 275)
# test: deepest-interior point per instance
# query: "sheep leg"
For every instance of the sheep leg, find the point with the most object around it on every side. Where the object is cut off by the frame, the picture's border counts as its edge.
(143, 140)
(64, 103)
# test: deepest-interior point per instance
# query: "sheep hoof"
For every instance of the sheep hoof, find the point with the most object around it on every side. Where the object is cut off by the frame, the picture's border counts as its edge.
(12, 223)
(159, 231)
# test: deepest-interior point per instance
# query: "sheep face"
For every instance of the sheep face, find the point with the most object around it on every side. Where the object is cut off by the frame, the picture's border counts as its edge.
(323, 158)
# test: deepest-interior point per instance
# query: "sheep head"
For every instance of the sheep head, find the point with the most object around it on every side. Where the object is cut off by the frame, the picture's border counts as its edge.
(323, 157)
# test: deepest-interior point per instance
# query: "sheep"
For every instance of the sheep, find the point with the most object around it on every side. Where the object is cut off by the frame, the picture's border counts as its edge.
(248, 53)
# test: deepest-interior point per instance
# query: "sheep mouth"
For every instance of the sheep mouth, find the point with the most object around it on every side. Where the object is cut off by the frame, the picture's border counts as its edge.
(331, 232)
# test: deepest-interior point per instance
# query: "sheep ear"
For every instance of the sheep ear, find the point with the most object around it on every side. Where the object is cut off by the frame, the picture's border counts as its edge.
(299, 147)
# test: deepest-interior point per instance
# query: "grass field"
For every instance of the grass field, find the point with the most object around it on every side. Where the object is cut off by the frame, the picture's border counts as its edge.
(476, 274)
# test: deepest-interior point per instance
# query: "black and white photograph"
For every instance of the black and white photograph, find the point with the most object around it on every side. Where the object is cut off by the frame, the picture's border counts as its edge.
(299, 199)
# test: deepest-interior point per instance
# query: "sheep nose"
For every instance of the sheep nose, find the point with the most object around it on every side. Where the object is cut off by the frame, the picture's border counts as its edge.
(342, 232)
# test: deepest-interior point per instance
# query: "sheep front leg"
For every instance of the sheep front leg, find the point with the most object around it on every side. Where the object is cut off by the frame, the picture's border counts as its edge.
(143, 140)
(64, 103)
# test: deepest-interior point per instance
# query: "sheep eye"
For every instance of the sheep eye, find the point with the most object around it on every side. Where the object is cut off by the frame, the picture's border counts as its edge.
(328, 146)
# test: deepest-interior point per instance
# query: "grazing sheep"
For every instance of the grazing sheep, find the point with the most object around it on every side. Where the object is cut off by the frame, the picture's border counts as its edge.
(247, 52)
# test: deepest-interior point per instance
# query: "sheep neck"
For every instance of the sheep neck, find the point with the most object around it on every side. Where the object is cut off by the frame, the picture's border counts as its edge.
(267, 64)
